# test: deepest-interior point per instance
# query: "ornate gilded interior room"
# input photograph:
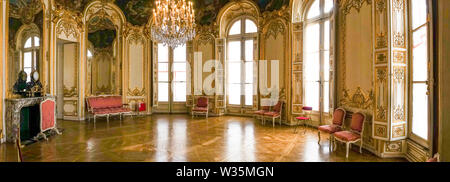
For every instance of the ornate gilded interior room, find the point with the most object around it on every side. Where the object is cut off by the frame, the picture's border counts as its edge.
(224, 81)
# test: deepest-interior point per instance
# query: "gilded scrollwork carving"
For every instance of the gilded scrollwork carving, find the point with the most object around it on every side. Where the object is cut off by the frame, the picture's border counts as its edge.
(136, 92)
(357, 99)
(70, 92)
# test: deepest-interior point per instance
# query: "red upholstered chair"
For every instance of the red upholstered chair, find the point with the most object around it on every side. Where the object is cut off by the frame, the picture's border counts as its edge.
(260, 113)
(436, 158)
(337, 125)
(307, 111)
(354, 134)
(201, 108)
(275, 113)
(48, 117)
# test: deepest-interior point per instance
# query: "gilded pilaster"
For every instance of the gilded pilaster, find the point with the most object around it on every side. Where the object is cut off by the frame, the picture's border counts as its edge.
(390, 35)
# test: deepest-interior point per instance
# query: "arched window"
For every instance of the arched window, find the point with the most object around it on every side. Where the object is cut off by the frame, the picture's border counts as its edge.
(421, 69)
(30, 55)
(240, 55)
(317, 55)
(89, 54)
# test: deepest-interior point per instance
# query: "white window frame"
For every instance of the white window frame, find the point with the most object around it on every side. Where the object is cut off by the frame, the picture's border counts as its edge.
(242, 37)
(424, 142)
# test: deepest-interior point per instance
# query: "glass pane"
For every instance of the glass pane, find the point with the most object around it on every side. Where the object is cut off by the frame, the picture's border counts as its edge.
(179, 91)
(419, 12)
(163, 92)
(89, 54)
(179, 72)
(326, 65)
(249, 50)
(249, 72)
(179, 54)
(312, 94)
(27, 60)
(36, 41)
(314, 10)
(234, 51)
(163, 53)
(312, 67)
(163, 72)
(248, 94)
(28, 71)
(328, 6)
(326, 96)
(234, 94)
(312, 38)
(420, 111)
(250, 26)
(420, 55)
(236, 28)
(28, 43)
(234, 74)
(326, 44)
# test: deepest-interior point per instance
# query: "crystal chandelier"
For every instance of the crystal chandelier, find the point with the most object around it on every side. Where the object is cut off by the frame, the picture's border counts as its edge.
(173, 22)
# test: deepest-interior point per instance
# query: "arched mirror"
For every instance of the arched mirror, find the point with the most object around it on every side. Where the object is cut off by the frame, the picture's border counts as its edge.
(25, 39)
(102, 35)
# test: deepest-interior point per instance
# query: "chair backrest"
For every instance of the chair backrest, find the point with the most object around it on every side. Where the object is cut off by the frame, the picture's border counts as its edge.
(339, 116)
(357, 124)
(277, 108)
(202, 102)
(307, 110)
(265, 108)
(48, 115)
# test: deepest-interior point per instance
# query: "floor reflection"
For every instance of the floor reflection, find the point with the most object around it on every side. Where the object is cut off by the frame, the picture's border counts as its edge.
(163, 138)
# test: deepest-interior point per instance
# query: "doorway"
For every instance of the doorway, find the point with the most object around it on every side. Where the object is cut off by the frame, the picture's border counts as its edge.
(67, 80)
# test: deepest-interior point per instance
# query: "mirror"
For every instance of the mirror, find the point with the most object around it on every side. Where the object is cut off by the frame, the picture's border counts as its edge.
(102, 60)
(25, 33)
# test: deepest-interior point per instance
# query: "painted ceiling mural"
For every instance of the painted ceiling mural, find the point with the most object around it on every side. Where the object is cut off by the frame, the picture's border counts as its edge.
(138, 12)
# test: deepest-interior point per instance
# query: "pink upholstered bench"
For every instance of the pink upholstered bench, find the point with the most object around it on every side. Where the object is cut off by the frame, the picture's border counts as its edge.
(106, 106)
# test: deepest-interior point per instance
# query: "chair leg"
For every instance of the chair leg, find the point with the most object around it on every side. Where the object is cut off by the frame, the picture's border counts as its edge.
(273, 122)
(280, 120)
(360, 147)
(95, 119)
(348, 145)
(318, 134)
(331, 143)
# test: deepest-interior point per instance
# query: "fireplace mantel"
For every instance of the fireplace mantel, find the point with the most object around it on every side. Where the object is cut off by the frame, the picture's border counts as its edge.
(13, 108)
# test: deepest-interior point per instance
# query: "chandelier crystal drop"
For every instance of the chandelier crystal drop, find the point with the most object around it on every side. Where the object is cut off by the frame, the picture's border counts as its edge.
(173, 22)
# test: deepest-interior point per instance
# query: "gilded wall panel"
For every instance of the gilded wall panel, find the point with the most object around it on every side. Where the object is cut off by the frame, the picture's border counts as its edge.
(381, 94)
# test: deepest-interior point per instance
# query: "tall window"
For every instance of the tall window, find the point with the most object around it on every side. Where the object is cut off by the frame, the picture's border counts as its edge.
(163, 73)
(179, 74)
(30, 55)
(240, 62)
(420, 33)
(317, 55)
(175, 60)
